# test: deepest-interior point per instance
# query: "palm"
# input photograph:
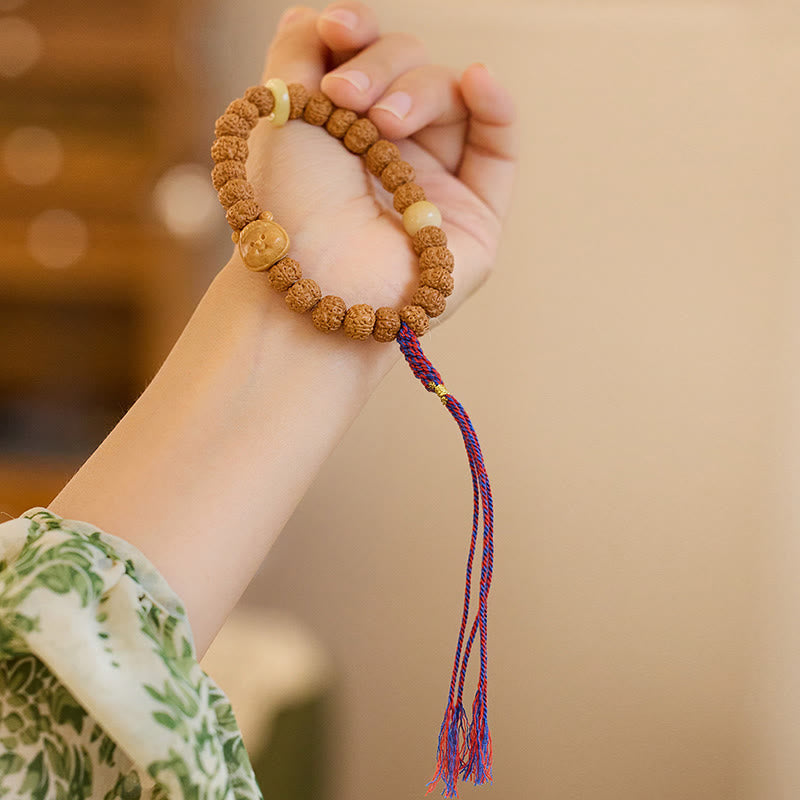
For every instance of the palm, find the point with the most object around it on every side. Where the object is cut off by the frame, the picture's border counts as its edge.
(338, 216)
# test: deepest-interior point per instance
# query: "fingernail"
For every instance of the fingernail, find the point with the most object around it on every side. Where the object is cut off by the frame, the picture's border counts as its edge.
(398, 103)
(341, 16)
(353, 77)
(487, 68)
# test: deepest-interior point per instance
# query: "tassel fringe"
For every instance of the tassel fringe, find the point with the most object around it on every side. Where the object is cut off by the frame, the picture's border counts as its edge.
(465, 744)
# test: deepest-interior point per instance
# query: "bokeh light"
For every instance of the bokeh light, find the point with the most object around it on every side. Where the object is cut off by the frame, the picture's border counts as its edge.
(20, 46)
(32, 155)
(186, 201)
(57, 238)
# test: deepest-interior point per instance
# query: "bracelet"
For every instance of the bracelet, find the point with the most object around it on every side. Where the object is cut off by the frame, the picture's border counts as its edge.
(465, 744)
(264, 244)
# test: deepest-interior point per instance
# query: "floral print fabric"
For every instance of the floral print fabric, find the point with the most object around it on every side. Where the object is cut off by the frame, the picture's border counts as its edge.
(101, 693)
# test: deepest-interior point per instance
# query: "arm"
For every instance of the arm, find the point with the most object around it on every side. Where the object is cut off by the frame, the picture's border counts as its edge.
(207, 466)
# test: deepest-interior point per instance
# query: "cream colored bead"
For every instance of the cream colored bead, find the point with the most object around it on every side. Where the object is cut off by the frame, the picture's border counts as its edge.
(280, 91)
(420, 214)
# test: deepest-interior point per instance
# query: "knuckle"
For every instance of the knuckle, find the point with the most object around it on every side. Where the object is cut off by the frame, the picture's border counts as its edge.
(407, 40)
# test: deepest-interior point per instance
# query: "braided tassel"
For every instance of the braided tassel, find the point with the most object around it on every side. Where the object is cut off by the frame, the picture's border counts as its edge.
(465, 745)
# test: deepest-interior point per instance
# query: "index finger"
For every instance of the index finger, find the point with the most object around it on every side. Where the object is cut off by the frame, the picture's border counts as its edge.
(307, 43)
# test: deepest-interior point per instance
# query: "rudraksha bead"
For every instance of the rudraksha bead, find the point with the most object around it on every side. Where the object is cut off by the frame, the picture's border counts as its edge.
(318, 108)
(261, 98)
(359, 321)
(429, 236)
(339, 121)
(232, 125)
(436, 257)
(387, 324)
(432, 300)
(233, 190)
(380, 154)
(360, 136)
(437, 278)
(298, 97)
(229, 148)
(406, 194)
(304, 294)
(284, 273)
(241, 213)
(396, 174)
(416, 318)
(244, 109)
(328, 314)
(226, 171)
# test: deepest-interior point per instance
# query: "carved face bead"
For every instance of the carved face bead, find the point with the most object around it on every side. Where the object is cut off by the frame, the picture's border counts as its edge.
(262, 243)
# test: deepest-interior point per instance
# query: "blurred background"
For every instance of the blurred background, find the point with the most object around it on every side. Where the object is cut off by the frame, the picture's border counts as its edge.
(642, 433)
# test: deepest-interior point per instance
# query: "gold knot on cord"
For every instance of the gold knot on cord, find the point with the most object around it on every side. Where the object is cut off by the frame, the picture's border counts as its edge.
(439, 388)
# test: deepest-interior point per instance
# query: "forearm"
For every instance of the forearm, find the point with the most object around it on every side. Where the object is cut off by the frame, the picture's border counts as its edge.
(210, 462)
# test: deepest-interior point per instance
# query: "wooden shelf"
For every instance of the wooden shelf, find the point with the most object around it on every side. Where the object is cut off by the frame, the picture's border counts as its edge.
(78, 344)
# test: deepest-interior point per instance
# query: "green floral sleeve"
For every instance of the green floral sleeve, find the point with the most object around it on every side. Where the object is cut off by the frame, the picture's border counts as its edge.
(101, 693)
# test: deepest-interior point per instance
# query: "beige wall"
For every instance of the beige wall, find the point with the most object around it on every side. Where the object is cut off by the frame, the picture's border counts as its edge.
(629, 369)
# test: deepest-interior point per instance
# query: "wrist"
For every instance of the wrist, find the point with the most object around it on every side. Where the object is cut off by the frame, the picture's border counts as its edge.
(269, 327)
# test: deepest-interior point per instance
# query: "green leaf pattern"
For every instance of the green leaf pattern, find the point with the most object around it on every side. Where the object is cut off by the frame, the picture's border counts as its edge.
(101, 693)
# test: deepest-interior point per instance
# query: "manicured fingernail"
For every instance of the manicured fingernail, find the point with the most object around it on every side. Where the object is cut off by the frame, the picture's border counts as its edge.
(353, 77)
(341, 16)
(398, 103)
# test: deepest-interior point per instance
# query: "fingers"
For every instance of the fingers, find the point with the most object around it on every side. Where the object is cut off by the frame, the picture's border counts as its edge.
(296, 53)
(307, 43)
(359, 82)
(491, 148)
(347, 27)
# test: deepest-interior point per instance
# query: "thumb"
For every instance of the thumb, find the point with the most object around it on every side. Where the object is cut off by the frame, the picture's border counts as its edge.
(296, 53)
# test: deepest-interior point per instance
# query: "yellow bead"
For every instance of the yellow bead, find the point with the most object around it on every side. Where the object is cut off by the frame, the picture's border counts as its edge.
(280, 91)
(420, 214)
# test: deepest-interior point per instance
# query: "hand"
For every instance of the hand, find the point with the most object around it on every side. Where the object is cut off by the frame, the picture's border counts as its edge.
(460, 135)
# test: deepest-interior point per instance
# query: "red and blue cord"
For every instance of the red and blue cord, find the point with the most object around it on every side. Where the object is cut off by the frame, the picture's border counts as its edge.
(465, 745)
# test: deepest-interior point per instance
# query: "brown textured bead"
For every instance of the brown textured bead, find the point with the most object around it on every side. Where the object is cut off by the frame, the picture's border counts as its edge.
(429, 236)
(284, 273)
(436, 257)
(231, 125)
(304, 295)
(432, 300)
(328, 314)
(229, 148)
(241, 213)
(339, 121)
(298, 97)
(261, 98)
(437, 278)
(318, 108)
(380, 154)
(361, 135)
(407, 194)
(416, 319)
(359, 321)
(396, 174)
(236, 189)
(244, 109)
(226, 171)
(387, 324)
